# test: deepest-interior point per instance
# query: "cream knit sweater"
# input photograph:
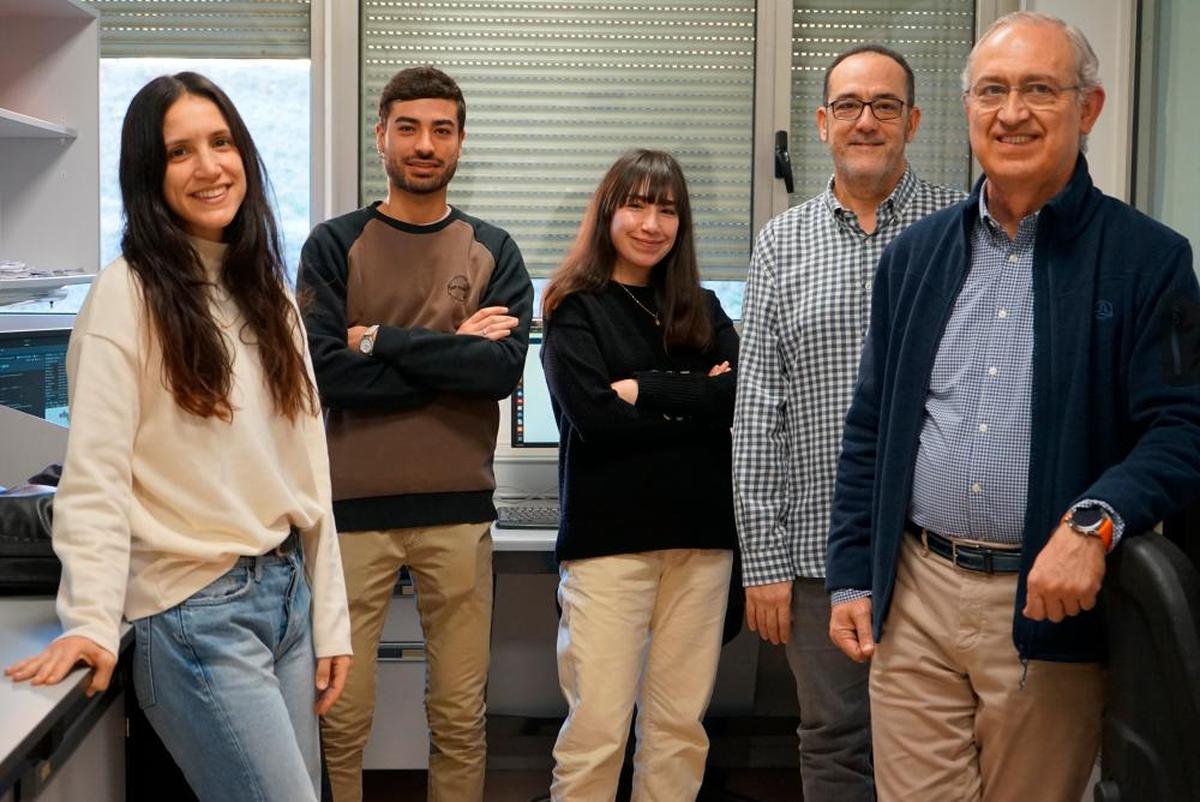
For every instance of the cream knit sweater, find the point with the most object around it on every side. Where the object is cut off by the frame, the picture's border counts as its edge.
(155, 503)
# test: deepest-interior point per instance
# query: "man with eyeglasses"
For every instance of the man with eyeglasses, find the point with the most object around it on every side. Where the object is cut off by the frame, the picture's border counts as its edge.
(806, 310)
(1029, 393)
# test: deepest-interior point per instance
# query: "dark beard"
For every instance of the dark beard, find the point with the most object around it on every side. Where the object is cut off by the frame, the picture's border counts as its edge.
(397, 179)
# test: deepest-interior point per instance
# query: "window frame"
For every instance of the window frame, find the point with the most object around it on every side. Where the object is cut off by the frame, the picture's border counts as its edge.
(335, 99)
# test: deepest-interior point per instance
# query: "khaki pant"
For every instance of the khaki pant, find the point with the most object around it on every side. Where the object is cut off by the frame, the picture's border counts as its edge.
(950, 718)
(452, 569)
(642, 628)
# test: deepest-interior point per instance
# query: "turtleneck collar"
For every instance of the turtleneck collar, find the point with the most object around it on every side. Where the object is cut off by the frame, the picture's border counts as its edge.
(212, 256)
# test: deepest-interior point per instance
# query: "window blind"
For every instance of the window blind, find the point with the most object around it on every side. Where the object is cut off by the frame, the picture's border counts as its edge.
(556, 91)
(935, 37)
(248, 29)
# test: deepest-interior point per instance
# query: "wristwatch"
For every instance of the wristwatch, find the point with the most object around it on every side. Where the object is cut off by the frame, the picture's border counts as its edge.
(367, 344)
(1093, 521)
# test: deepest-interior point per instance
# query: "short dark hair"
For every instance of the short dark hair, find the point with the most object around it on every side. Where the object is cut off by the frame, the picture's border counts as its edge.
(416, 83)
(910, 82)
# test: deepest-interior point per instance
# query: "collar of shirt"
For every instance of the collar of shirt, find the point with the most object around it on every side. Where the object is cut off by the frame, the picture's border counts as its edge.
(1025, 229)
(892, 205)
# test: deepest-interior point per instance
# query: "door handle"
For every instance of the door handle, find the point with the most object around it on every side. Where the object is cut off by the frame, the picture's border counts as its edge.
(783, 162)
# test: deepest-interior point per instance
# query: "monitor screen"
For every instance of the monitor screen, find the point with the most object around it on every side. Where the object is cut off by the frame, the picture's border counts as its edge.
(33, 373)
(533, 424)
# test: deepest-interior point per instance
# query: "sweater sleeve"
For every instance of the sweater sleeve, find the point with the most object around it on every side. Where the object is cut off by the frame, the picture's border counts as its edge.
(467, 364)
(346, 379)
(319, 543)
(579, 384)
(696, 394)
(91, 508)
(1161, 471)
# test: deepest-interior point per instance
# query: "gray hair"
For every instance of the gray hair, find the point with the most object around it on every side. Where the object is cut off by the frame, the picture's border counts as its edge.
(1087, 65)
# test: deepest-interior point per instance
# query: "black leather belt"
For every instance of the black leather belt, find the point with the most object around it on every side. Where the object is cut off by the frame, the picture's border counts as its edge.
(965, 556)
(290, 544)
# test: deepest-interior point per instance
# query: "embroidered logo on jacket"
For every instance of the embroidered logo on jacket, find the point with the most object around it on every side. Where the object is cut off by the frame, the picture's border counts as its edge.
(1104, 310)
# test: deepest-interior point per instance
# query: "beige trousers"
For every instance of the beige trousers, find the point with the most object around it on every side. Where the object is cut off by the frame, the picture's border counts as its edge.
(452, 569)
(950, 719)
(645, 629)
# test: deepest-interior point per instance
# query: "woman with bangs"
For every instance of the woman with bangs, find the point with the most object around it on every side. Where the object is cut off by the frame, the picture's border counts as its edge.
(195, 499)
(640, 361)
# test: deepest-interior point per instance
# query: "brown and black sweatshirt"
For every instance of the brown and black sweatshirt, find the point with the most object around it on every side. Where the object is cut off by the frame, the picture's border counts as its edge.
(412, 428)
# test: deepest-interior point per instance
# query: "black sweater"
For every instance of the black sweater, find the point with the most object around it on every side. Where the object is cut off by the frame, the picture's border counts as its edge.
(654, 475)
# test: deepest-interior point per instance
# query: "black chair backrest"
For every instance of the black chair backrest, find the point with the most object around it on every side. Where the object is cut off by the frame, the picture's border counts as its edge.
(1183, 529)
(1151, 740)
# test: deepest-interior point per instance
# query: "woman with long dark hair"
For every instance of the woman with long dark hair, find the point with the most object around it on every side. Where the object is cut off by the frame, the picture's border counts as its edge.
(640, 362)
(195, 496)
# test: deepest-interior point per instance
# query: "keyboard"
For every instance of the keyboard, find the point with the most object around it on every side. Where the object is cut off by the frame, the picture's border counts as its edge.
(540, 515)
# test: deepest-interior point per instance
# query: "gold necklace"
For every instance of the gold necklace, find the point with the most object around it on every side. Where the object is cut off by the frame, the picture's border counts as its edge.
(639, 303)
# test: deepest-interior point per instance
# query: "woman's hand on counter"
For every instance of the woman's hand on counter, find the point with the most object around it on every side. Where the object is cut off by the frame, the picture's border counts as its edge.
(331, 679)
(56, 661)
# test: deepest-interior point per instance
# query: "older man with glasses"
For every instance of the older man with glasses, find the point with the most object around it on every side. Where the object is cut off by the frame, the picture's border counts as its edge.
(806, 310)
(1028, 394)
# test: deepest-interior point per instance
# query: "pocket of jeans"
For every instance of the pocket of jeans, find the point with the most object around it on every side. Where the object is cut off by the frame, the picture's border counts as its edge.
(143, 672)
(229, 586)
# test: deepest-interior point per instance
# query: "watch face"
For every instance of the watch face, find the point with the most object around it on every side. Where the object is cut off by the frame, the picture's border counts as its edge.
(366, 344)
(1087, 517)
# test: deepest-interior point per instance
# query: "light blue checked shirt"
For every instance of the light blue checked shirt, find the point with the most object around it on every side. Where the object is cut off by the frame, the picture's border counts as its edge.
(973, 461)
(971, 475)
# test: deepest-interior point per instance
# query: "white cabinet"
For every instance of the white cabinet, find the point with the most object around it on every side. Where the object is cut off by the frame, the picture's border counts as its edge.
(49, 134)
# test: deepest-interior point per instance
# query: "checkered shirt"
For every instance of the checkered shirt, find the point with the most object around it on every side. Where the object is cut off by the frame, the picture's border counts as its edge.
(972, 465)
(805, 315)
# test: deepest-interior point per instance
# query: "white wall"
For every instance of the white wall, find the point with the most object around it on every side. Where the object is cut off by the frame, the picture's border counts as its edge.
(1175, 163)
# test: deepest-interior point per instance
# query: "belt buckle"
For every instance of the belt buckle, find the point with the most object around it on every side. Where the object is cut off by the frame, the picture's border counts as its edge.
(954, 552)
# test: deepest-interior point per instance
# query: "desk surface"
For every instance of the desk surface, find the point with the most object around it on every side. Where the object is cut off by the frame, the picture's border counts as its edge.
(523, 539)
(27, 624)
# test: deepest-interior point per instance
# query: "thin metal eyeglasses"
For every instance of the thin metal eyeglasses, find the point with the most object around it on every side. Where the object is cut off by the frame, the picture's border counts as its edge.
(851, 108)
(1035, 94)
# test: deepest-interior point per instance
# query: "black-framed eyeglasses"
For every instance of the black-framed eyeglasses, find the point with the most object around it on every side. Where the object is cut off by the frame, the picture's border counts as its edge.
(1035, 94)
(850, 108)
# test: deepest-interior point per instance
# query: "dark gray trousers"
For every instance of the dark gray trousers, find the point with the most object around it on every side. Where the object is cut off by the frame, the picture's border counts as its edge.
(835, 711)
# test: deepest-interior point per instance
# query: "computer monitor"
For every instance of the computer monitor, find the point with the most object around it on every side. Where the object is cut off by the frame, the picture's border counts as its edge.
(533, 424)
(33, 373)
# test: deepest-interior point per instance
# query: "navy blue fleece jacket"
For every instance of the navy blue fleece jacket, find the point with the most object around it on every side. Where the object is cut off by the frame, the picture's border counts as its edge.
(1116, 389)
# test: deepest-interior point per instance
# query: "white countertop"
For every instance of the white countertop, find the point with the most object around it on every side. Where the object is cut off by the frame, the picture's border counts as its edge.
(27, 624)
(523, 539)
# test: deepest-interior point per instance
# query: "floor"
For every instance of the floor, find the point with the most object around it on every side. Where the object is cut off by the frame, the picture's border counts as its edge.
(739, 785)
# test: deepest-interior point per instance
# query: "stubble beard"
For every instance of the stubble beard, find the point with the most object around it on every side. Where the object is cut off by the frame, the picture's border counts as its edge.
(425, 186)
(876, 175)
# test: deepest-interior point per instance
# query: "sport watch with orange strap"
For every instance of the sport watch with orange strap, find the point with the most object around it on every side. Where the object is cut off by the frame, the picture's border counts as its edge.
(1093, 521)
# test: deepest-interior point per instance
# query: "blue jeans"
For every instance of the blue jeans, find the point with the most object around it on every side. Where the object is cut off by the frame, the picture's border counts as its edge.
(227, 680)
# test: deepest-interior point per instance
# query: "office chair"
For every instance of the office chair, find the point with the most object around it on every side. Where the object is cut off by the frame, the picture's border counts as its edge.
(1151, 733)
